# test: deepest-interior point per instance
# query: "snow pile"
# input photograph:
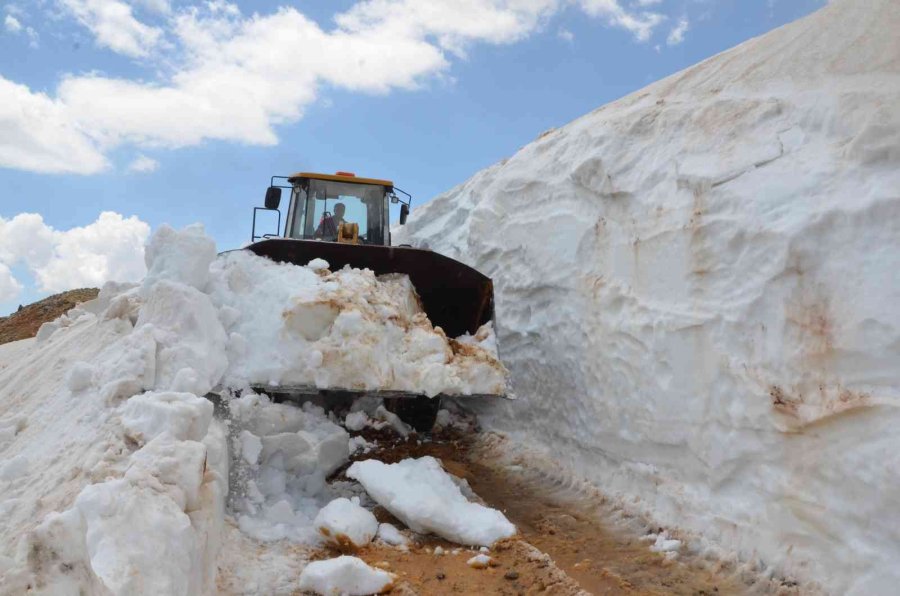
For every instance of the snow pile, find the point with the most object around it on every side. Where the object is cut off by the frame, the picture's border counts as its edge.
(115, 473)
(110, 490)
(345, 575)
(423, 496)
(697, 288)
(292, 325)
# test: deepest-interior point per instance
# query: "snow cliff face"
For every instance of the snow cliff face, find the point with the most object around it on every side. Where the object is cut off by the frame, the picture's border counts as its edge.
(698, 297)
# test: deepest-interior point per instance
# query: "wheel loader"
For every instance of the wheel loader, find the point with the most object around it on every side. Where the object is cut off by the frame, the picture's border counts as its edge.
(317, 224)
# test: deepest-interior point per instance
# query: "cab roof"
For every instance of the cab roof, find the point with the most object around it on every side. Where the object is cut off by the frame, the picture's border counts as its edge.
(342, 177)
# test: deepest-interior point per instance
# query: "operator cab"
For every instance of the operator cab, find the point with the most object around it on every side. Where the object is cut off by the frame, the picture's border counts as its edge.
(337, 207)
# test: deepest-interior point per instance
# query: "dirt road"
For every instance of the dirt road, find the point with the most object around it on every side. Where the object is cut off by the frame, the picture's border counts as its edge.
(564, 547)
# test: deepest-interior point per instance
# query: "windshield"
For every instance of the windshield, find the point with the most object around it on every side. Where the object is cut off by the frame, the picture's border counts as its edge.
(322, 205)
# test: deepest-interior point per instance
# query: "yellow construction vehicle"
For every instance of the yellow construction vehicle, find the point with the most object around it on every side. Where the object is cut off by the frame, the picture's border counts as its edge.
(345, 220)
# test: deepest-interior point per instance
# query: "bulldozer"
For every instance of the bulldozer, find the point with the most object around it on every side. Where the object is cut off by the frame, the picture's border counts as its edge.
(345, 220)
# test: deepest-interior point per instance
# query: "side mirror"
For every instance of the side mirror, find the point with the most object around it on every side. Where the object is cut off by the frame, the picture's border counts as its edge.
(404, 213)
(273, 197)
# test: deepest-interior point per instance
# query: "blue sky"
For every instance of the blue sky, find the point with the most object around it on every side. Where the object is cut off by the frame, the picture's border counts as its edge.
(178, 111)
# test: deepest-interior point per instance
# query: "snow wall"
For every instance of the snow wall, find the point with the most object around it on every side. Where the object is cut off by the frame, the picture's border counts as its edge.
(698, 295)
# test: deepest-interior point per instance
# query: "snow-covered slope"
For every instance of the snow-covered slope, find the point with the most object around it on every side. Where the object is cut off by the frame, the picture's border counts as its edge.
(699, 298)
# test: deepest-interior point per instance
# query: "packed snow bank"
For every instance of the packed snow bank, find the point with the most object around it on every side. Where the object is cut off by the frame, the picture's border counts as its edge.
(109, 497)
(423, 496)
(698, 294)
(345, 575)
(294, 325)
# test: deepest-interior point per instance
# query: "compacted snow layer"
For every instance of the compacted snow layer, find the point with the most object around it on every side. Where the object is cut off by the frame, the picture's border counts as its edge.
(423, 496)
(114, 472)
(698, 294)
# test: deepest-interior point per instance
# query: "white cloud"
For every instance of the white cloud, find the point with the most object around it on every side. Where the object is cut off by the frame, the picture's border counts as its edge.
(143, 165)
(453, 24)
(39, 134)
(565, 35)
(157, 6)
(9, 285)
(641, 24)
(12, 24)
(676, 35)
(111, 248)
(237, 78)
(648, 2)
(114, 26)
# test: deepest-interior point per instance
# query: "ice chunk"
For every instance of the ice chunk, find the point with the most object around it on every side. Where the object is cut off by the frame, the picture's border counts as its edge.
(251, 447)
(181, 256)
(346, 525)
(184, 415)
(189, 336)
(318, 264)
(479, 561)
(400, 427)
(128, 366)
(424, 497)
(356, 421)
(46, 330)
(138, 543)
(663, 544)
(360, 444)
(345, 575)
(389, 534)
(177, 465)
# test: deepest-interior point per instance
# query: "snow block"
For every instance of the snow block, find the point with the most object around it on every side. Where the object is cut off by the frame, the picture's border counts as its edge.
(345, 575)
(184, 416)
(422, 495)
(181, 256)
(191, 340)
(345, 525)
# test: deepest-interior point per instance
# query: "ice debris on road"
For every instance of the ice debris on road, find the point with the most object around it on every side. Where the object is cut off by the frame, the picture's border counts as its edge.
(345, 576)
(479, 561)
(389, 534)
(423, 496)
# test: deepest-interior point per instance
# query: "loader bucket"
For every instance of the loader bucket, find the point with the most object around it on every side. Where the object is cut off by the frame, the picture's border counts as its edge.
(456, 298)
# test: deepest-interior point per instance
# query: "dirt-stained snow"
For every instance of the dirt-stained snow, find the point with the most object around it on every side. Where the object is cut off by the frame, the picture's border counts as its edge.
(698, 295)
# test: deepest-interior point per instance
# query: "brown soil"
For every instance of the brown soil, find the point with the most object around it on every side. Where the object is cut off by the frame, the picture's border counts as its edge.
(563, 547)
(25, 322)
